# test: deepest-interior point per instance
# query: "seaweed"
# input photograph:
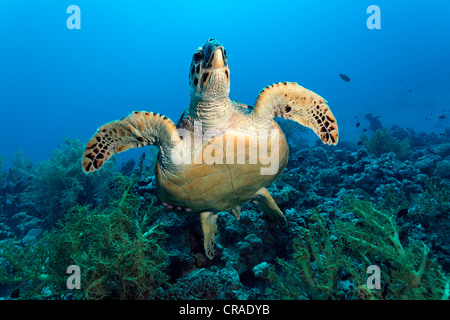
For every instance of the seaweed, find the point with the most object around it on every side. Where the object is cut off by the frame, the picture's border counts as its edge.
(59, 183)
(147, 163)
(383, 142)
(324, 257)
(407, 270)
(313, 273)
(119, 250)
(394, 199)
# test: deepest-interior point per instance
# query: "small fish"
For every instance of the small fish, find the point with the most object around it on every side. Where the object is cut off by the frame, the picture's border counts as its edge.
(442, 117)
(364, 130)
(358, 124)
(409, 90)
(359, 143)
(344, 77)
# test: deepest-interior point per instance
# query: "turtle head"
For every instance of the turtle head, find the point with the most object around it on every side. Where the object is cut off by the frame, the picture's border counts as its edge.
(209, 74)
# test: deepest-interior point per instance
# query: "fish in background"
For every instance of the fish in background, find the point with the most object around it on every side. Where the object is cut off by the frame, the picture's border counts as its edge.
(344, 77)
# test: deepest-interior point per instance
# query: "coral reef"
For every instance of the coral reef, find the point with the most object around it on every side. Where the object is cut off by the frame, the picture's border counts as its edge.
(119, 251)
(47, 190)
(382, 142)
(317, 260)
(383, 202)
(407, 271)
(323, 262)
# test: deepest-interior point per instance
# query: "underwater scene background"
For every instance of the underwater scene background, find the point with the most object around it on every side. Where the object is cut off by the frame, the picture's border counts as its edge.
(381, 197)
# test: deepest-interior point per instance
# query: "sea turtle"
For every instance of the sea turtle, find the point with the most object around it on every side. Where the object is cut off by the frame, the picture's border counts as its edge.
(222, 153)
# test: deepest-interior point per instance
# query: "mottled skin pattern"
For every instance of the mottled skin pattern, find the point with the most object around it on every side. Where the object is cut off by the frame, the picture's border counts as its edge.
(219, 141)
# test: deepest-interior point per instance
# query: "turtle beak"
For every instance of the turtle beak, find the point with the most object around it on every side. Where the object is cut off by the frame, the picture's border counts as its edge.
(214, 55)
(217, 59)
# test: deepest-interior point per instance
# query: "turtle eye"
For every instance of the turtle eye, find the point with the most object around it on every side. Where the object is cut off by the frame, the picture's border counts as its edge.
(198, 56)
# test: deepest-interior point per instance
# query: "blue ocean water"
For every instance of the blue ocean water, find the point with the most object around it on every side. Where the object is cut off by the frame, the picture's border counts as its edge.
(57, 82)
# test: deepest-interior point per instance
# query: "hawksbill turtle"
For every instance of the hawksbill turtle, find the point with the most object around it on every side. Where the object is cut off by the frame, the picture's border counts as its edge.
(214, 159)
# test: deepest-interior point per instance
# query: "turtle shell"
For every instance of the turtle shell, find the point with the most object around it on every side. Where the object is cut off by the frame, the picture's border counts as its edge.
(231, 180)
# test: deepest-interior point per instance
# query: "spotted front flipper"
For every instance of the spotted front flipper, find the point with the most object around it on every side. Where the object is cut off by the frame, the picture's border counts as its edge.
(267, 205)
(136, 130)
(293, 102)
(209, 228)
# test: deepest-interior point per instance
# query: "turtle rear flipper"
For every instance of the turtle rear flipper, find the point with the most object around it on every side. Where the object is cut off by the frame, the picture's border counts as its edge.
(293, 102)
(139, 129)
(209, 228)
(267, 205)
